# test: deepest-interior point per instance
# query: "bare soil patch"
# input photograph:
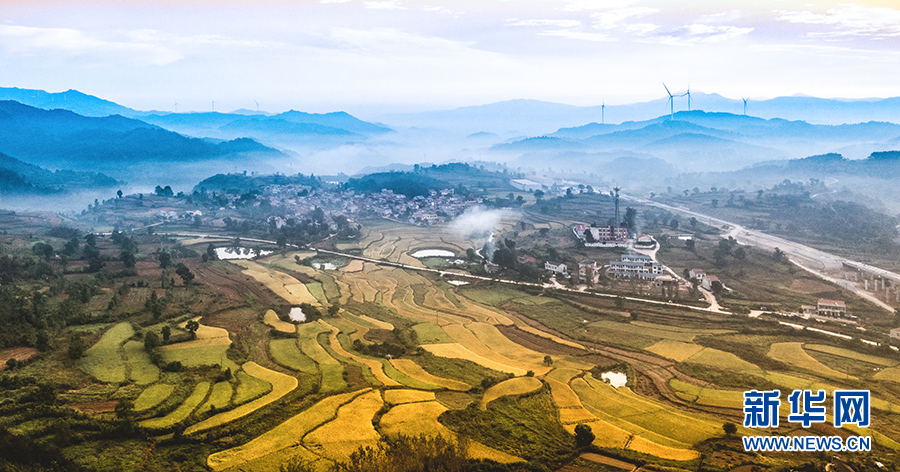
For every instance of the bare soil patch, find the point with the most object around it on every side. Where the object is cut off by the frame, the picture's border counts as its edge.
(94, 408)
(810, 286)
(17, 353)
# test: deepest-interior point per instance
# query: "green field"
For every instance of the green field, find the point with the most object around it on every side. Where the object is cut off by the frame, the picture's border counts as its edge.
(219, 397)
(105, 359)
(287, 353)
(152, 396)
(182, 412)
(249, 388)
(137, 361)
(430, 333)
(709, 396)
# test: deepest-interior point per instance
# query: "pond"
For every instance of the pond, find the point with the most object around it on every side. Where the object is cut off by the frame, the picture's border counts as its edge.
(225, 253)
(616, 379)
(324, 265)
(297, 314)
(432, 253)
(457, 282)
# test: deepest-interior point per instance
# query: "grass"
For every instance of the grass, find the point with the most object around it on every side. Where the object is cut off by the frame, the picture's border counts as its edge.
(398, 396)
(105, 360)
(182, 412)
(516, 386)
(283, 436)
(140, 368)
(351, 429)
(271, 318)
(793, 354)
(414, 371)
(219, 397)
(249, 388)
(282, 384)
(153, 396)
(675, 350)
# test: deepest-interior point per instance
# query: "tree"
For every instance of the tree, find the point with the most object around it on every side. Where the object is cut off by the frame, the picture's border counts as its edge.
(192, 326)
(588, 235)
(211, 252)
(693, 222)
(538, 195)
(690, 245)
(119, 193)
(43, 250)
(76, 347)
(334, 309)
(583, 435)
(407, 454)
(729, 428)
(165, 259)
(740, 254)
(166, 333)
(630, 219)
(548, 361)
(127, 258)
(715, 203)
(151, 341)
(184, 272)
(779, 255)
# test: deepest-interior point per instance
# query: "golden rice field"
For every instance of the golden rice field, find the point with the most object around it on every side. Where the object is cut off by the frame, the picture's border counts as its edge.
(285, 286)
(415, 371)
(458, 351)
(890, 373)
(563, 396)
(105, 359)
(793, 354)
(374, 366)
(281, 385)
(837, 351)
(678, 351)
(709, 396)
(405, 395)
(723, 360)
(182, 412)
(514, 386)
(554, 338)
(468, 338)
(282, 436)
(152, 396)
(421, 418)
(350, 430)
(271, 318)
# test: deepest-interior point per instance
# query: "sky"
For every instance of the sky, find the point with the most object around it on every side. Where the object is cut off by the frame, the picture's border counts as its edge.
(380, 56)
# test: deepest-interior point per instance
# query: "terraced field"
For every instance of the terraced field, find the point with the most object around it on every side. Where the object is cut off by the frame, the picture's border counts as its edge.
(105, 360)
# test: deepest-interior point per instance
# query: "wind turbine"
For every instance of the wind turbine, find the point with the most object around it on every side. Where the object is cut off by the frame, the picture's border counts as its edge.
(257, 106)
(176, 107)
(745, 104)
(214, 105)
(603, 113)
(688, 96)
(671, 103)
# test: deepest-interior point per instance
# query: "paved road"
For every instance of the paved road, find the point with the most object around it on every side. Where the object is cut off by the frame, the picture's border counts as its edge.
(810, 259)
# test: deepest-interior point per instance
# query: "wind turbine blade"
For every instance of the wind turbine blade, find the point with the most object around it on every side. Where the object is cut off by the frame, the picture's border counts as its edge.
(667, 90)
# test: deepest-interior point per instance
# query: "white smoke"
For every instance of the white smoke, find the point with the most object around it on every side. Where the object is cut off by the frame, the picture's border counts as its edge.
(478, 224)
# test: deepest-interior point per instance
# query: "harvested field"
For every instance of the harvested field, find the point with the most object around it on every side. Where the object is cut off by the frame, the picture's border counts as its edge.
(286, 352)
(676, 350)
(281, 385)
(182, 412)
(282, 436)
(17, 353)
(138, 364)
(354, 265)
(413, 370)
(631, 329)
(290, 289)
(219, 397)
(515, 386)
(890, 373)
(271, 319)
(105, 359)
(456, 350)
(837, 351)
(351, 429)
(793, 354)
(606, 435)
(152, 396)
(398, 396)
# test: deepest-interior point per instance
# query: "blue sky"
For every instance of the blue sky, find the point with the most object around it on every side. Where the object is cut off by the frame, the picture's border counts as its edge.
(403, 55)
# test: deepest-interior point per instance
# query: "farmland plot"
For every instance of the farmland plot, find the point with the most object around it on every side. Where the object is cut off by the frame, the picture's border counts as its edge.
(287, 353)
(351, 429)
(137, 361)
(152, 396)
(415, 371)
(271, 318)
(105, 359)
(182, 412)
(514, 386)
(793, 354)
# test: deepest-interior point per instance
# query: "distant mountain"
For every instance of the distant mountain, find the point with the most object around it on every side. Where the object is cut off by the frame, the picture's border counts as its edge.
(338, 119)
(72, 100)
(64, 139)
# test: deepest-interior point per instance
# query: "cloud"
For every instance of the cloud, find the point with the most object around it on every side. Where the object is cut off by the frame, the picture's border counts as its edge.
(617, 19)
(700, 33)
(385, 5)
(849, 20)
(335, 1)
(579, 5)
(29, 40)
(577, 35)
(556, 23)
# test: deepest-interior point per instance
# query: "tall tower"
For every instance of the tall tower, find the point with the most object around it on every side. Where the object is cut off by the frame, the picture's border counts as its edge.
(617, 206)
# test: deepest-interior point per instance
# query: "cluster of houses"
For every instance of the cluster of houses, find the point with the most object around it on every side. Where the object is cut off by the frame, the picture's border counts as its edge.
(601, 236)
(826, 308)
(173, 215)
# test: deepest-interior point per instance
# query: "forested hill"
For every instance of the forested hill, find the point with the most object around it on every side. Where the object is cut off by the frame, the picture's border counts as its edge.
(243, 183)
(17, 177)
(66, 139)
(434, 177)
